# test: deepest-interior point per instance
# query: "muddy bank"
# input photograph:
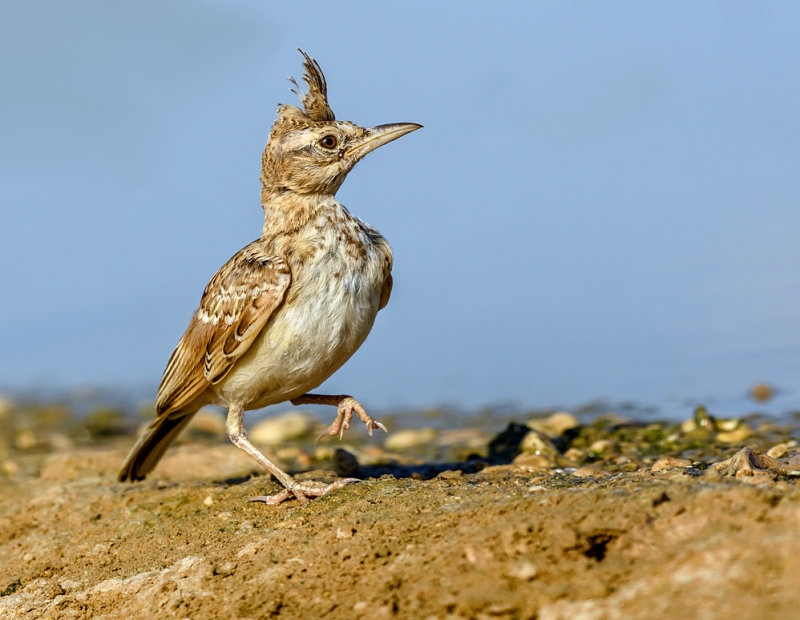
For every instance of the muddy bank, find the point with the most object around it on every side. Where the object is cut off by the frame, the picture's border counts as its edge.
(527, 526)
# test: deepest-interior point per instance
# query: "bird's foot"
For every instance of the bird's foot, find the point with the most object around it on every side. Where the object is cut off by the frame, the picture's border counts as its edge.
(346, 408)
(303, 491)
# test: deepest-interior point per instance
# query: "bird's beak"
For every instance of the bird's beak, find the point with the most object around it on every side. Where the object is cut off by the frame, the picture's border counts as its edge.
(378, 136)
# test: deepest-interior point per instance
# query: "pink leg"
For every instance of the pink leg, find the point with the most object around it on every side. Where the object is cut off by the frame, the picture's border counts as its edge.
(346, 407)
(301, 490)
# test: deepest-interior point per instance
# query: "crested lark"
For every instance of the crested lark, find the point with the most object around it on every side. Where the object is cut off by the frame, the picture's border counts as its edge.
(290, 308)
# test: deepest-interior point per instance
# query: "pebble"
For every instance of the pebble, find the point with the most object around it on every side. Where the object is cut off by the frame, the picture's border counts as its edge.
(524, 571)
(225, 568)
(589, 471)
(761, 392)
(669, 462)
(536, 442)
(25, 439)
(575, 454)
(778, 451)
(345, 464)
(289, 453)
(409, 438)
(69, 585)
(604, 447)
(344, 532)
(740, 434)
(9, 467)
(283, 427)
(470, 437)
(555, 425)
(529, 460)
(59, 441)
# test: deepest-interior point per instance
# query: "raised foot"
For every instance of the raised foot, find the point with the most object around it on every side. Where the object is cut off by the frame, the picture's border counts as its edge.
(303, 491)
(346, 408)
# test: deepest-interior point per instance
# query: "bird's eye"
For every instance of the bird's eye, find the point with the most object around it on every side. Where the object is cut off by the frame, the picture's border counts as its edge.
(329, 142)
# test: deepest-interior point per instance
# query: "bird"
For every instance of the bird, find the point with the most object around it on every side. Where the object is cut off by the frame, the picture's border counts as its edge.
(290, 308)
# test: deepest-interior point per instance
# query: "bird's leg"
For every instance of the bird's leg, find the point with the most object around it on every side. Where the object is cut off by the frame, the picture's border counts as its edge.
(347, 406)
(301, 490)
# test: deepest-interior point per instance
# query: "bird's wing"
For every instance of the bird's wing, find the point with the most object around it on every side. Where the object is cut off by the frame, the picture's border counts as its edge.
(235, 307)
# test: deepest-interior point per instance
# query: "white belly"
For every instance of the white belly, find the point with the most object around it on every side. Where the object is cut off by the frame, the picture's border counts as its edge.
(312, 334)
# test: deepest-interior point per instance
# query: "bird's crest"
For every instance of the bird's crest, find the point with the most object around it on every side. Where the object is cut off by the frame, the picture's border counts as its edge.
(315, 100)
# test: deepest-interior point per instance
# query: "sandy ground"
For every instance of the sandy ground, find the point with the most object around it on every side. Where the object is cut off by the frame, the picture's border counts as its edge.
(485, 537)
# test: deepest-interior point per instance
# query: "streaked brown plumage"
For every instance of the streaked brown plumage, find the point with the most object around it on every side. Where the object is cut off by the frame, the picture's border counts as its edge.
(290, 308)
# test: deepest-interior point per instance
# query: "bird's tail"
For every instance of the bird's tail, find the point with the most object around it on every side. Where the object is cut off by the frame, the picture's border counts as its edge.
(150, 447)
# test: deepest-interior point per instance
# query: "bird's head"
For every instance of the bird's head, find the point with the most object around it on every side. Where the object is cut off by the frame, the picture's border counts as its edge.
(309, 151)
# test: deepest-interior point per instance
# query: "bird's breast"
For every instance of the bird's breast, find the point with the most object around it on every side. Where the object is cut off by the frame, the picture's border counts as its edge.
(327, 314)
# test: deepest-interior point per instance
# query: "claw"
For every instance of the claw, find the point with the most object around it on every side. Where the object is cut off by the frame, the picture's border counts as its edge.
(304, 491)
(346, 408)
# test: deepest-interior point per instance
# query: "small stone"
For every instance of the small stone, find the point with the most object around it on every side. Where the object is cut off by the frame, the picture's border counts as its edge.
(478, 556)
(729, 424)
(669, 462)
(532, 461)
(225, 568)
(554, 425)
(537, 443)
(604, 447)
(450, 474)
(687, 426)
(761, 392)
(9, 467)
(469, 437)
(69, 584)
(249, 550)
(794, 462)
(740, 434)
(589, 471)
(778, 451)
(59, 441)
(344, 532)
(345, 464)
(409, 438)
(748, 461)
(507, 443)
(575, 454)
(522, 570)
(496, 472)
(360, 606)
(289, 453)
(25, 439)
(208, 501)
(283, 427)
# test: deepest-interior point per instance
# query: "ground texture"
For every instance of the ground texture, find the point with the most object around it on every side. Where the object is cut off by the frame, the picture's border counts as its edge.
(565, 525)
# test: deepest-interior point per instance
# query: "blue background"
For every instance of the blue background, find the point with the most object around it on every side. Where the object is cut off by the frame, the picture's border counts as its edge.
(605, 200)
